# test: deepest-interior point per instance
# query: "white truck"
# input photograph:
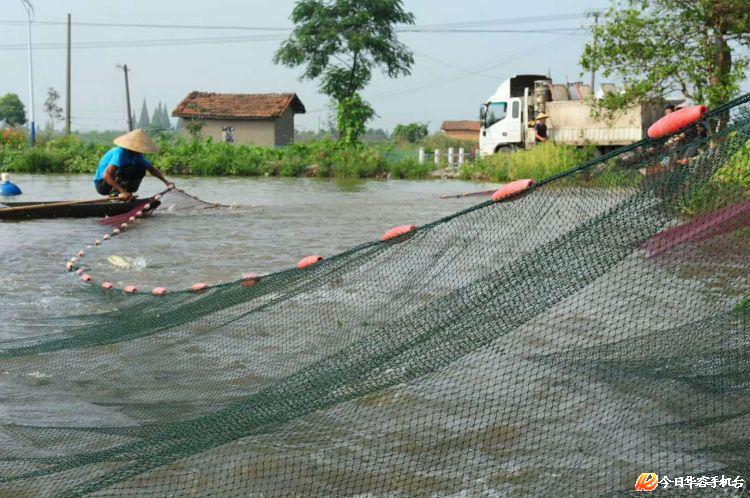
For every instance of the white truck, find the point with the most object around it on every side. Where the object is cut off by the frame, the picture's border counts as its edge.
(505, 117)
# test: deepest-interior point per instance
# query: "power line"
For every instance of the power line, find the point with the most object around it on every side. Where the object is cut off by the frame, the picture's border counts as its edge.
(571, 31)
(239, 39)
(152, 26)
(148, 43)
(514, 21)
(405, 91)
(403, 28)
(468, 73)
(451, 66)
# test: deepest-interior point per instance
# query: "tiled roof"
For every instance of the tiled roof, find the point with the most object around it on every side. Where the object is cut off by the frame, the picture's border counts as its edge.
(460, 126)
(204, 105)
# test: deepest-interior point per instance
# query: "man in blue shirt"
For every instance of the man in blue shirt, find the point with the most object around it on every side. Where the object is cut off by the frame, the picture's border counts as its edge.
(123, 167)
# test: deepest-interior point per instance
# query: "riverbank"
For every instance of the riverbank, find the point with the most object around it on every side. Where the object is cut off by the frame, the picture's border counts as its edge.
(177, 156)
(324, 159)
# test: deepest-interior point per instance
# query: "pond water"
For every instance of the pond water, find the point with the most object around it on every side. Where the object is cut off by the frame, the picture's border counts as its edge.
(272, 223)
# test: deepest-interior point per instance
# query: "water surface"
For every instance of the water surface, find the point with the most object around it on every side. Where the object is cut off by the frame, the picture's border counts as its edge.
(272, 224)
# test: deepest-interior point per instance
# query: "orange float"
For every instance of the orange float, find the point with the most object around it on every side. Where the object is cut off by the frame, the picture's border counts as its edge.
(249, 279)
(676, 121)
(512, 189)
(398, 231)
(309, 261)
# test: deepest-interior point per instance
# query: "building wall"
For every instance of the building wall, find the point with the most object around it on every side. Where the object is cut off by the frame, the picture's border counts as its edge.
(258, 132)
(285, 128)
(264, 132)
(463, 135)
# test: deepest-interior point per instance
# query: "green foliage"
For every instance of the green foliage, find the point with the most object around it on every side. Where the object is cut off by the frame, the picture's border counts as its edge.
(743, 307)
(98, 137)
(412, 132)
(14, 139)
(537, 163)
(409, 167)
(194, 127)
(341, 42)
(38, 160)
(730, 183)
(737, 168)
(12, 109)
(353, 114)
(663, 46)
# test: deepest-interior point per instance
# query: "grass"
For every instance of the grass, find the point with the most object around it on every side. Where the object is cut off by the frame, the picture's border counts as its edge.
(326, 158)
(539, 162)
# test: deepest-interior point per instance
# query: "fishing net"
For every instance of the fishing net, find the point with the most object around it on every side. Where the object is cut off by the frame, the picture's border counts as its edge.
(560, 342)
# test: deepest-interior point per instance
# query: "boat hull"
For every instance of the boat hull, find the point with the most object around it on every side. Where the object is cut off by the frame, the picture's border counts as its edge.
(82, 209)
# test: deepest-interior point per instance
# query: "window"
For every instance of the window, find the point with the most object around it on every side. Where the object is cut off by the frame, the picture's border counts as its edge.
(516, 109)
(495, 112)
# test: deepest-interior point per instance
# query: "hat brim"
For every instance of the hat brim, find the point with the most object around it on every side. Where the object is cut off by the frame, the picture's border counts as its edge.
(137, 142)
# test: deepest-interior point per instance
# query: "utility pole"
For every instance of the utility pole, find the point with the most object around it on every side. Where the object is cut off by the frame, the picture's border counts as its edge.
(595, 14)
(127, 96)
(32, 129)
(67, 85)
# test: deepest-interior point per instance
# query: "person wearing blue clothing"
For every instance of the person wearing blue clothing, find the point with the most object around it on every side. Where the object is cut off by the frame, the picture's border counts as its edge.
(123, 167)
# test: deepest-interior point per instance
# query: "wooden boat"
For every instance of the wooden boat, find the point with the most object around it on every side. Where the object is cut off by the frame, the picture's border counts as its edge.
(64, 209)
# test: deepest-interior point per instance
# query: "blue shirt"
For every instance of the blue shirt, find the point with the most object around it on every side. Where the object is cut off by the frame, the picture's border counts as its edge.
(119, 157)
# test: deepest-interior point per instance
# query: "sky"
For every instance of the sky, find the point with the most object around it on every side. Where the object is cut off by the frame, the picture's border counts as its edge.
(454, 72)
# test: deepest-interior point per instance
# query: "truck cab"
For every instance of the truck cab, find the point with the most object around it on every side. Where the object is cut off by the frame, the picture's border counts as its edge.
(504, 116)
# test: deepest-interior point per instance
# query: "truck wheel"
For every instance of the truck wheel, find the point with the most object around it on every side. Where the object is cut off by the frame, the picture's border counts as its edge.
(504, 149)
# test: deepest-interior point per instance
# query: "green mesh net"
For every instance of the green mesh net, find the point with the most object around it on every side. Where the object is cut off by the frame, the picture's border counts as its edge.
(559, 343)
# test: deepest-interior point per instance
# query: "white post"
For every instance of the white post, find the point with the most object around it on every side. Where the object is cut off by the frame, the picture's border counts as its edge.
(461, 156)
(476, 155)
(437, 157)
(421, 155)
(30, 13)
(450, 156)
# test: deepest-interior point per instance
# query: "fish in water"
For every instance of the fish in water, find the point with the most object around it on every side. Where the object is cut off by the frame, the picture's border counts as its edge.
(126, 263)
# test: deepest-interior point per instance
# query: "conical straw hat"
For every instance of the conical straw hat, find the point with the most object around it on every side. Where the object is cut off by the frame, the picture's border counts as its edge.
(136, 141)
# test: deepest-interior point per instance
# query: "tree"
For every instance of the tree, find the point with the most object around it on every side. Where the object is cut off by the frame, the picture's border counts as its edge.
(412, 133)
(52, 108)
(665, 46)
(12, 110)
(160, 120)
(164, 123)
(341, 42)
(144, 121)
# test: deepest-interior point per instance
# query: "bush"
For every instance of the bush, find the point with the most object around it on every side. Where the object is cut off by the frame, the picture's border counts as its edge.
(412, 133)
(539, 162)
(442, 142)
(410, 168)
(13, 139)
(38, 161)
